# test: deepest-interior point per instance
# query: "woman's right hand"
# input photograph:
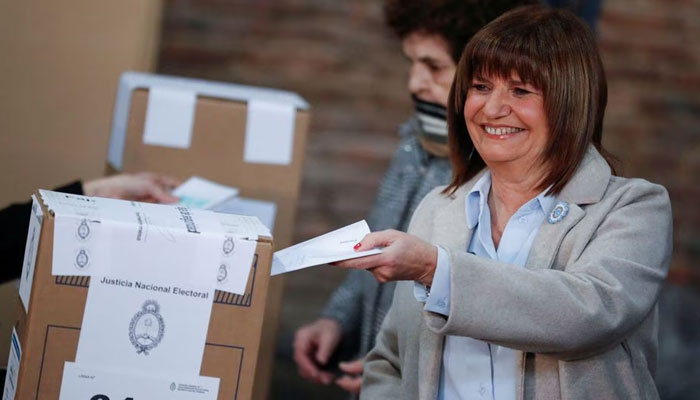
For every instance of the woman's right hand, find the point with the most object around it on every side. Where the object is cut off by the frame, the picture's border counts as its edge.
(404, 257)
(313, 346)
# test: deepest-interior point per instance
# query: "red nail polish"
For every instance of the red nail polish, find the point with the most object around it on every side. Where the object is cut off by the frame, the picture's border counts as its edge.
(357, 246)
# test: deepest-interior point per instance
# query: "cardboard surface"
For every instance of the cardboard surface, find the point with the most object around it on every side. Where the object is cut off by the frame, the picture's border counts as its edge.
(216, 152)
(8, 316)
(61, 62)
(49, 332)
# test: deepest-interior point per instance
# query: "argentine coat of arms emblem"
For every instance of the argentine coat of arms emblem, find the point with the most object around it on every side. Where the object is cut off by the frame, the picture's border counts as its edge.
(147, 328)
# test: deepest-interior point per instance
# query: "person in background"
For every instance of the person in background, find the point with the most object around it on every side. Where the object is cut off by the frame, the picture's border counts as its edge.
(14, 219)
(535, 273)
(433, 34)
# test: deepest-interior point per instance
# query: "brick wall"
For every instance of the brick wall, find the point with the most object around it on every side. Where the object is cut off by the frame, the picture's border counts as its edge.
(651, 50)
(338, 56)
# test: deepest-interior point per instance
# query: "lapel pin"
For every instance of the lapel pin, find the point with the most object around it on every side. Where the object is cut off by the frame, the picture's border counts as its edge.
(558, 213)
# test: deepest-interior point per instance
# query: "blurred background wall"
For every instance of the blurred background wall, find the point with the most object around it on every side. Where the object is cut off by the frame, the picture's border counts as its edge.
(59, 67)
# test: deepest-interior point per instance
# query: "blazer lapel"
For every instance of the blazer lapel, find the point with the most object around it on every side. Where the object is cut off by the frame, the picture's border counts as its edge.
(429, 363)
(450, 229)
(549, 238)
(587, 186)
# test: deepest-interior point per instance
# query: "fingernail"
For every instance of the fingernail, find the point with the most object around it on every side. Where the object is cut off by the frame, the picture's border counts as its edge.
(357, 246)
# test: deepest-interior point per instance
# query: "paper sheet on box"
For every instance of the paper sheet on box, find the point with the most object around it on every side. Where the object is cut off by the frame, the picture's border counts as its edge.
(234, 269)
(330, 247)
(238, 251)
(101, 236)
(202, 193)
(264, 210)
(30, 251)
(145, 324)
(243, 226)
(97, 236)
(169, 117)
(269, 133)
(84, 381)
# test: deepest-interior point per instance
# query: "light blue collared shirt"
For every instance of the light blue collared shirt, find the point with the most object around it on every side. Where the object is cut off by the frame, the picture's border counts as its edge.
(473, 369)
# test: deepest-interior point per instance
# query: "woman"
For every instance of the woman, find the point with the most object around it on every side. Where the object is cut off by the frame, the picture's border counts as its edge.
(433, 34)
(536, 271)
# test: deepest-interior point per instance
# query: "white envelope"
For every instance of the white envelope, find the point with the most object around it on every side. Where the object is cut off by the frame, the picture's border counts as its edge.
(202, 193)
(330, 247)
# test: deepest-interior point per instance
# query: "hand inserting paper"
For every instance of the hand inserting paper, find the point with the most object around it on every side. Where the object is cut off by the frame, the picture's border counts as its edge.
(333, 246)
(403, 257)
(142, 186)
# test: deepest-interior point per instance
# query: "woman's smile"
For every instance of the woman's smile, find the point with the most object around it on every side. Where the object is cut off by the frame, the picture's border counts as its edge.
(501, 132)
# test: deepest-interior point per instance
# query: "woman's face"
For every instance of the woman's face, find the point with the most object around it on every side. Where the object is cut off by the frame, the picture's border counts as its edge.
(432, 67)
(506, 121)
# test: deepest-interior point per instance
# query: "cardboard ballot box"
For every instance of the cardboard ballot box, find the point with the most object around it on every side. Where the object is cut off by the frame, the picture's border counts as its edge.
(247, 137)
(51, 311)
(251, 138)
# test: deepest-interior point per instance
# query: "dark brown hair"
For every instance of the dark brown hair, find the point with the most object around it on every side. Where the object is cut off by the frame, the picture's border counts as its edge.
(554, 51)
(455, 20)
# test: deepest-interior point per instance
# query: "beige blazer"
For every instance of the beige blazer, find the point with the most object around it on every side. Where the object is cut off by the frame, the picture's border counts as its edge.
(582, 313)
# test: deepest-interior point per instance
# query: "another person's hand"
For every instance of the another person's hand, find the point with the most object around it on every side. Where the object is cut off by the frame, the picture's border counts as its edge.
(142, 186)
(403, 257)
(351, 381)
(313, 346)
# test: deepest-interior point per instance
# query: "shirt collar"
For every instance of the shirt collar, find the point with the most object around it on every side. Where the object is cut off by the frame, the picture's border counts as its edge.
(546, 202)
(476, 200)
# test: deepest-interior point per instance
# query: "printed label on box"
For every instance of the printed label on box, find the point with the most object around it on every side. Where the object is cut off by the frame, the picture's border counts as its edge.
(90, 382)
(12, 367)
(30, 250)
(151, 325)
(236, 259)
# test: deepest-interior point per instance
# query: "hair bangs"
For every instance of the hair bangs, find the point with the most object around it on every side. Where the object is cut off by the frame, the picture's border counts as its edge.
(499, 57)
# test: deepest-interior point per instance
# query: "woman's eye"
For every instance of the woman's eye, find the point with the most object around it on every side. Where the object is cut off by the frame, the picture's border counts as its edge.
(521, 91)
(480, 87)
(434, 67)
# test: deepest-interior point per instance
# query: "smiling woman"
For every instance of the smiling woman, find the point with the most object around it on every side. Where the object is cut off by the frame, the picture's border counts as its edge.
(554, 79)
(433, 34)
(535, 273)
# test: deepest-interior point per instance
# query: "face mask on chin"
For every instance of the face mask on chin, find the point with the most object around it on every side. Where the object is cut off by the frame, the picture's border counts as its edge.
(432, 118)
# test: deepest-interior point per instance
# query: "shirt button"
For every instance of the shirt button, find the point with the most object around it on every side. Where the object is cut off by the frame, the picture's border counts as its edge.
(441, 303)
(522, 220)
(407, 148)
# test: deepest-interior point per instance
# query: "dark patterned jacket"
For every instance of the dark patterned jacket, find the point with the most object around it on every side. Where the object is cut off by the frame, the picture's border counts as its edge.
(360, 303)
